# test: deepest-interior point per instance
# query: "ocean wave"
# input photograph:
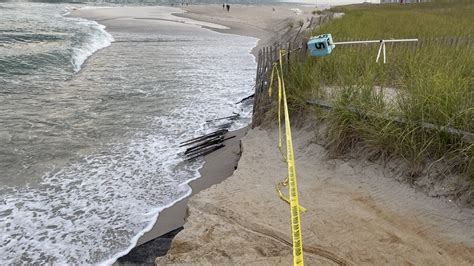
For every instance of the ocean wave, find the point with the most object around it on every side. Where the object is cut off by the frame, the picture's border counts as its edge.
(47, 40)
(97, 39)
(114, 196)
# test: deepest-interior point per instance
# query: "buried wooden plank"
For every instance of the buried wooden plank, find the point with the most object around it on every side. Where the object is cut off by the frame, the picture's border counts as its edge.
(210, 135)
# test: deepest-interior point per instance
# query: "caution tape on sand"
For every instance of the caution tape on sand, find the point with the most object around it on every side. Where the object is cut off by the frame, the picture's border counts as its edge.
(290, 180)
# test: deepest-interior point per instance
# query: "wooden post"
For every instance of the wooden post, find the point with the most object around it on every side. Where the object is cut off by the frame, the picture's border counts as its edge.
(264, 72)
(255, 99)
(304, 48)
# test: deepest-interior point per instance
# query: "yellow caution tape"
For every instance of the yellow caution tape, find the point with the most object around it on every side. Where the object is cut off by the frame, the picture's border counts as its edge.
(295, 208)
(285, 198)
(284, 183)
(275, 69)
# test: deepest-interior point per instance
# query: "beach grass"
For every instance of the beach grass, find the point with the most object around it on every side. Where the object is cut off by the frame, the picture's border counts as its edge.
(388, 106)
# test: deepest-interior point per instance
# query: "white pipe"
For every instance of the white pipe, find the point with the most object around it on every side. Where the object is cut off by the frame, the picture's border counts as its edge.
(382, 49)
(376, 41)
(379, 52)
(384, 53)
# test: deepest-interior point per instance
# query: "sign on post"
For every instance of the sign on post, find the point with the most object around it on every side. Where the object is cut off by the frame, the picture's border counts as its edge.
(321, 45)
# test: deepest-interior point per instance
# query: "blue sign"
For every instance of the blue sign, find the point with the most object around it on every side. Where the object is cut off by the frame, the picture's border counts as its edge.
(321, 45)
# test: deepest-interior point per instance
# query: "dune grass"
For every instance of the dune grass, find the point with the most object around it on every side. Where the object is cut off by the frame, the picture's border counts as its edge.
(385, 106)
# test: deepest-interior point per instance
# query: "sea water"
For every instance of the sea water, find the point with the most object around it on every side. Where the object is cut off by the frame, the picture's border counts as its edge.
(89, 137)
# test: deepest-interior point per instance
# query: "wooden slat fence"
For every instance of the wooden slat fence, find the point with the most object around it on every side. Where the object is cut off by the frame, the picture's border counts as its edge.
(267, 56)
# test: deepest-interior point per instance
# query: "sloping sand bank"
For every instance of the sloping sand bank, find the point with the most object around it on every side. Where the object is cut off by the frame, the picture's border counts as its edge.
(355, 215)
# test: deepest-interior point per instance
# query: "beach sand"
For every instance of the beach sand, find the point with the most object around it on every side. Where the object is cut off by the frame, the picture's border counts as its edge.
(356, 215)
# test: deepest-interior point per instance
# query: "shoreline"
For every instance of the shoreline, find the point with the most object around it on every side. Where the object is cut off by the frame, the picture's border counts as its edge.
(217, 166)
(222, 163)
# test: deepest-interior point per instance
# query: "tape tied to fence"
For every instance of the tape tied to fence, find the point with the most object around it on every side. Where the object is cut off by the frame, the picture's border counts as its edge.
(290, 180)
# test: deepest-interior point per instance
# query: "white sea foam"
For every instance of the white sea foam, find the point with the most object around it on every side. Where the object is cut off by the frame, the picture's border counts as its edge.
(73, 210)
(155, 212)
(114, 197)
(99, 38)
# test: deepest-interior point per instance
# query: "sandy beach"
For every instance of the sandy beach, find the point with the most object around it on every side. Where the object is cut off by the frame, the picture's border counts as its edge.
(357, 213)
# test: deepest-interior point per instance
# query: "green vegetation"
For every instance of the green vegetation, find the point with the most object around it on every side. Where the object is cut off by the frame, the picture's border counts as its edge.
(385, 106)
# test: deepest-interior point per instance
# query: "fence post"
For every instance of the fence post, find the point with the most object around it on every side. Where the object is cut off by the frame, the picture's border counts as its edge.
(256, 96)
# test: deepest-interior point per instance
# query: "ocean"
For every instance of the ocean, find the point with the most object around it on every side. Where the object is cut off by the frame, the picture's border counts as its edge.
(90, 126)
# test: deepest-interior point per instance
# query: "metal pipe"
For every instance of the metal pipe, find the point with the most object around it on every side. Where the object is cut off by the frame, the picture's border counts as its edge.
(376, 41)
